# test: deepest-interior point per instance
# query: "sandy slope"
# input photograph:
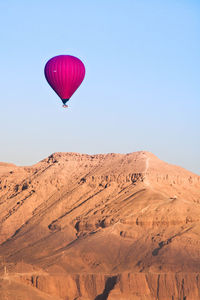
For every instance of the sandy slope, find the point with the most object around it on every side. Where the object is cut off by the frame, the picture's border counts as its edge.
(81, 226)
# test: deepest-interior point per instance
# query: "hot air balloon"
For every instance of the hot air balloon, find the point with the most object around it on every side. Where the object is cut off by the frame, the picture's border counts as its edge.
(64, 73)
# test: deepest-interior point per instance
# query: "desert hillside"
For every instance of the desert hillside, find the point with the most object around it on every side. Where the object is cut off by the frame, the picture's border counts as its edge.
(95, 227)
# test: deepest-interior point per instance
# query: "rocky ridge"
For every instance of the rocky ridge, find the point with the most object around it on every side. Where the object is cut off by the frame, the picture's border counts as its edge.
(108, 226)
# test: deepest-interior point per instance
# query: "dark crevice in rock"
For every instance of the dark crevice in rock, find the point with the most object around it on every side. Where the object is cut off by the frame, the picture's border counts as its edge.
(182, 288)
(109, 286)
(54, 226)
(158, 286)
(36, 281)
(102, 223)
(52, 159)
(25, 186)
(77, 226)
(16, 188)
(78, 285)
(161, 245)
(83, 179)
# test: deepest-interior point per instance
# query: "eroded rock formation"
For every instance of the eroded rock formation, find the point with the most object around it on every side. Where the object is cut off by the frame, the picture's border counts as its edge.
(97, 227)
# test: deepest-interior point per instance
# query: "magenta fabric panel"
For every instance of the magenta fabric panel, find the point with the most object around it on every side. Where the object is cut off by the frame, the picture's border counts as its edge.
(64, 74)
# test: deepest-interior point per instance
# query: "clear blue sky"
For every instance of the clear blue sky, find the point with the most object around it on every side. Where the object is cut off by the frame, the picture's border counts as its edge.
(141, 90)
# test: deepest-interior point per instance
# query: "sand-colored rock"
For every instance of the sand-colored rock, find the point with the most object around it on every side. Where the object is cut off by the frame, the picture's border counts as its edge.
(101, 227)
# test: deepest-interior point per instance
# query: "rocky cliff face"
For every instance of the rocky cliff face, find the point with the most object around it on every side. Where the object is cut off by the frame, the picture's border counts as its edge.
(101, 227)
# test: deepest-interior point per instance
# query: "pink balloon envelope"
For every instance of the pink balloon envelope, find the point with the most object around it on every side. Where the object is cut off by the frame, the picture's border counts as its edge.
(64, 74)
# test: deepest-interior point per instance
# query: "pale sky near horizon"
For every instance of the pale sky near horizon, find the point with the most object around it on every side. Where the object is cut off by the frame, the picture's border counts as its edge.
(141, 90)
